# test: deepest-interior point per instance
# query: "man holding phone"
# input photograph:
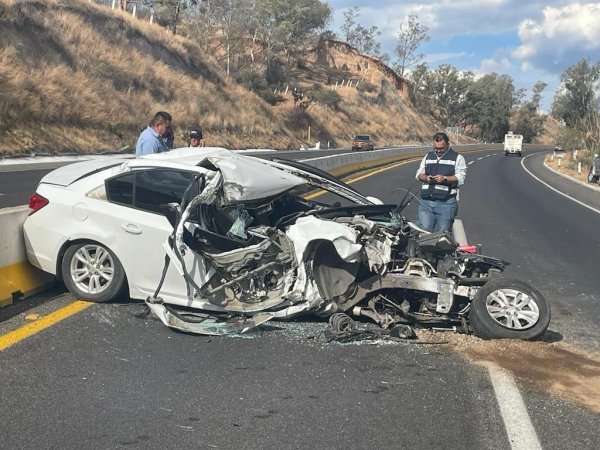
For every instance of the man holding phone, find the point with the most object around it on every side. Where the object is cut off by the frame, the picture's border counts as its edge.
(441, 171)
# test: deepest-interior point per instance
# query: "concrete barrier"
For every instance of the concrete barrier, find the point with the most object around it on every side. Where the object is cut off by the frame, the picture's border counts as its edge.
(18, 278)
(348, 163)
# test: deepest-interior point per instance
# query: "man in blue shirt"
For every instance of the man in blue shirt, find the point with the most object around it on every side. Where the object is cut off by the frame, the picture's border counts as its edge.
(151, 139)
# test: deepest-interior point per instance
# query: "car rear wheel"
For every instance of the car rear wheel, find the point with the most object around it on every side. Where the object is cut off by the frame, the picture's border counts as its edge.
(505, 308)
(92, 272)
(592, 178)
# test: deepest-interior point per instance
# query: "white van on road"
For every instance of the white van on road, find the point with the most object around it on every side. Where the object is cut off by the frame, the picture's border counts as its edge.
(513, 144)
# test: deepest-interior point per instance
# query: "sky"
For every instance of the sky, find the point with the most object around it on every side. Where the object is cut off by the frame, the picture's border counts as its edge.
(527, 39)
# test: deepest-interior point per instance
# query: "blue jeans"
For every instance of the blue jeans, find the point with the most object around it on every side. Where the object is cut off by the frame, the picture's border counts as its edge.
(438, 215)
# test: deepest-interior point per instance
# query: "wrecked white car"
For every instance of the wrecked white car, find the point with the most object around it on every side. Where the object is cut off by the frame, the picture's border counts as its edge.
(218, 242)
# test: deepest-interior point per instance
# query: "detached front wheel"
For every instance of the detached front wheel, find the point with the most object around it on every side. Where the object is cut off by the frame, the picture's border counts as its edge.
(506, 308)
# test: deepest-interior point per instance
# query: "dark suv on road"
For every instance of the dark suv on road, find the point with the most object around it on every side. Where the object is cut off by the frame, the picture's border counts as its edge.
(362, 142)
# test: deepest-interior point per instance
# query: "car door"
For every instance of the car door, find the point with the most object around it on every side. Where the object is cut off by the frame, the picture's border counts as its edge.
(140, 229)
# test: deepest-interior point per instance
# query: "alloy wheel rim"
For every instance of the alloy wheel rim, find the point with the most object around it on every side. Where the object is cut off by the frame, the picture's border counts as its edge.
(92, 269)
(512, 309)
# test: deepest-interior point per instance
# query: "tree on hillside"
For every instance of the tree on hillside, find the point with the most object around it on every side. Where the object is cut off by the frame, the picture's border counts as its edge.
(169, 12)
(536, 97)
(577, 97)
(411, 36)
(283, 27)
(350, 22)
(230, 20)
(491, 99)
(359, 37)
(457, 98)
(526, 119)
(442, 93)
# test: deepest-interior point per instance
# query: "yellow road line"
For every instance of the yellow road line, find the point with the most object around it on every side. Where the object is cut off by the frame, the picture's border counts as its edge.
(32, 328)
(362, 177)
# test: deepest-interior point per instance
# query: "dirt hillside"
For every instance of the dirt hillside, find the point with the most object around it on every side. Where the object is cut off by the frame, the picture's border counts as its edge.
(78, 76)
(550, 134)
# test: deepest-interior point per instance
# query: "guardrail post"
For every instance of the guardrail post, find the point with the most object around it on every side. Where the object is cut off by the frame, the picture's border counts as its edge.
(578, 167)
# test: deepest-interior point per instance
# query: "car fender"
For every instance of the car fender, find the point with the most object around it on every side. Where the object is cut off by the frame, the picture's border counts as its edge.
(83, 237)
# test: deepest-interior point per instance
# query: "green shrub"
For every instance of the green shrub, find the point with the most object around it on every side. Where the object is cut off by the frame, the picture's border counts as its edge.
(275, 73)
(270, 97)
(252, 80)
(365, 86)
(298, 119)
(327, 97)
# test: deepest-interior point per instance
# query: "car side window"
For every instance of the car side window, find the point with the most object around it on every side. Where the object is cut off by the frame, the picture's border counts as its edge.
(155, 188)
(149, 190)
(120, 189)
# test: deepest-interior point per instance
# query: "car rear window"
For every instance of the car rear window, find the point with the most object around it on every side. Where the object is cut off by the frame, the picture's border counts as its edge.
(362, 137)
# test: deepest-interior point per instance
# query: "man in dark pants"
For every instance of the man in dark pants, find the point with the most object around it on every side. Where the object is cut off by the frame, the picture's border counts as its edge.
(441, 171)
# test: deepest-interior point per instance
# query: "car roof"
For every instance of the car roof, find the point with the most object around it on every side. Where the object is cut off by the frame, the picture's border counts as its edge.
(244, 177)
(67, 175)
(186, 158)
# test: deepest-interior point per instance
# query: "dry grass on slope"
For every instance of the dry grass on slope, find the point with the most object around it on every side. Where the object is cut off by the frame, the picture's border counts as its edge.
(80, 76)
(386, 117)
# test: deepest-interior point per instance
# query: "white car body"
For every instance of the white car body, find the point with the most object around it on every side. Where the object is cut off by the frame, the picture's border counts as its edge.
(78, 210)
(233, 242)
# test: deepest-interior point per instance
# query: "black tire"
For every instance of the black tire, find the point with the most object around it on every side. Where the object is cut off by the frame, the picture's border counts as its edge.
(505, 153)
(535, 314)
(95, 272)
(520, 154)
(592, 178)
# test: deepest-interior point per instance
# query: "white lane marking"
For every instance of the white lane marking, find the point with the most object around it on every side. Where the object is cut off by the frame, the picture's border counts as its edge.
(520, 431)
(471, 162)
(459, 232)
(556, 190)
(479, 159)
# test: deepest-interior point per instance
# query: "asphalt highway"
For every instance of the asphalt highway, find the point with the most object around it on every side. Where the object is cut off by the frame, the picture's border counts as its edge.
(108, 377)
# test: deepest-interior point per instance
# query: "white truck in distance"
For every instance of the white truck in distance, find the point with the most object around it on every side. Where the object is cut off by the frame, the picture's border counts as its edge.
(513, 144)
